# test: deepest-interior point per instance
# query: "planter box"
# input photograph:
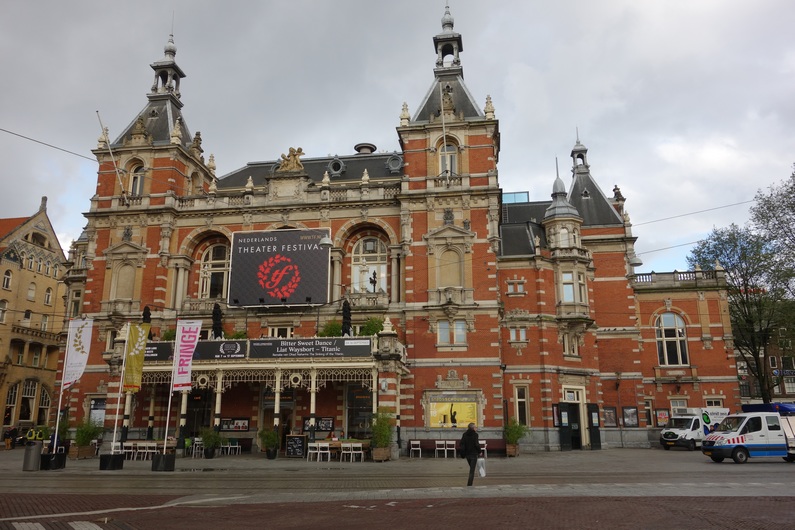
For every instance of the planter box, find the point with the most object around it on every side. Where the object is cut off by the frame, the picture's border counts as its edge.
(77, 453)
(111, 462)
(163, 462)
(52, 462)
(511, 449)
(380, 454)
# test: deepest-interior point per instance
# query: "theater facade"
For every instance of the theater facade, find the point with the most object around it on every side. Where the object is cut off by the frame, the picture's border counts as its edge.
(493, 306)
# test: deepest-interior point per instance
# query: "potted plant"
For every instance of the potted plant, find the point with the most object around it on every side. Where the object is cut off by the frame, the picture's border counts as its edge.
(382, 435)
(269, 441)
(514, 432)
(211, 440)
(86, 432)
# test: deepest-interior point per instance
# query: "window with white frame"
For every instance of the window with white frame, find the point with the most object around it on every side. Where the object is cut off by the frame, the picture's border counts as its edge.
(39, 265)
(74, 307)
(20, 354)
(44, 407)
(518, 334)
(48, 296)
(451, 332)
(55, 271)
(714, 402)
(214, 271)
(516, 287)
(47, 268)
(678, 403)
(369, 266)
(30, 263)
(11, 404)
(671, 340)
(448, 160)
(26, 403)
(35, 355)
(3, 309)
(285, 332)
(7, 280)
(581, 288)
(45, 321)
(789, 385)
(567, 286)
(773, 362)
(137, 182)
(522, 408)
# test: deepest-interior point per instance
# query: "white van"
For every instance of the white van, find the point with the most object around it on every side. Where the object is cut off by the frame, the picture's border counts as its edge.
(763, 430)
(689, 426)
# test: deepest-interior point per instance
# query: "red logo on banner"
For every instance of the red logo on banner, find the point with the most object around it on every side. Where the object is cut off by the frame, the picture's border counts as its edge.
(278, 276)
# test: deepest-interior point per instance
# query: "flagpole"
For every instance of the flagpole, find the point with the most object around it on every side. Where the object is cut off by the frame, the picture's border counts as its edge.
(170, 395)
(54, 449)
(121, 386)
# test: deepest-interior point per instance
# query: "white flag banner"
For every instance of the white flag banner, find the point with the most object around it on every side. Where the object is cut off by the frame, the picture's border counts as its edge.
(187, 337)
(78, 344)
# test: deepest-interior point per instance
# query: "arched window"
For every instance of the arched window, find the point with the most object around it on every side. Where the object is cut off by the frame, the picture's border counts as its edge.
(137, 182)
(369, 266)
(39, 265)
(214, 272)
(44, 407)
(32, 291)
(3, 308)
(55, 271)
(9, 417)
(671, 340)
(7, 280)
(448, 158)
(47, 268)
(30, 263)
(563, 238)
(48, 296)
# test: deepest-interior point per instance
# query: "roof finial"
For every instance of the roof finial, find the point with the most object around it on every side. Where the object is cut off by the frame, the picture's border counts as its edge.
(577, 130)
(557, 171)
(447, 20)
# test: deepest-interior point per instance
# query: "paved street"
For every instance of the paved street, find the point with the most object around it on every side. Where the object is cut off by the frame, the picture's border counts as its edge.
(615, 488)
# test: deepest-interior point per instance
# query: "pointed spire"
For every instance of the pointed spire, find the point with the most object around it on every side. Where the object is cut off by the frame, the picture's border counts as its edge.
(447, 20)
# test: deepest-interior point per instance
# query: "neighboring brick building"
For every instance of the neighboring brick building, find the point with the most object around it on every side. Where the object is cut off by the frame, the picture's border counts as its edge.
(501, 307)
(31, 318)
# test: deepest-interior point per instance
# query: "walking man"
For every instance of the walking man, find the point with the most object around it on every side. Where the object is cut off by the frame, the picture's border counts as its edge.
(470, 449)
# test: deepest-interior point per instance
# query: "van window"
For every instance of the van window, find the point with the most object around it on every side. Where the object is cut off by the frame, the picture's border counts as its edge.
(772, 423)
(694, 427)
(752, 425)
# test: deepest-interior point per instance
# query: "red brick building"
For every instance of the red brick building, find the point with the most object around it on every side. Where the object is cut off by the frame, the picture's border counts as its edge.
(496, 307)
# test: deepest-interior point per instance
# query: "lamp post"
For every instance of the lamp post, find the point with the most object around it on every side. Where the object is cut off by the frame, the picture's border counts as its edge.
(374, 280)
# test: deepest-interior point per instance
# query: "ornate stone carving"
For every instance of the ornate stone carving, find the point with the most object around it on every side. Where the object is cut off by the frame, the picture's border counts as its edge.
(291, 161)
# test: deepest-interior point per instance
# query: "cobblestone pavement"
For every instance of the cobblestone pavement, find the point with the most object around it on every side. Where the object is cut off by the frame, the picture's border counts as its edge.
(615, 488)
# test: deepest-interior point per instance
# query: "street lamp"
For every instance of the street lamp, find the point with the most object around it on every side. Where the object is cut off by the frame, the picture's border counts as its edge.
(374, 280)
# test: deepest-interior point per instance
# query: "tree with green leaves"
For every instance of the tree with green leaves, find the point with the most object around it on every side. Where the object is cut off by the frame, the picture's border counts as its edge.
(371, 327)
(773, 216)
(756, 290)
(332, 328)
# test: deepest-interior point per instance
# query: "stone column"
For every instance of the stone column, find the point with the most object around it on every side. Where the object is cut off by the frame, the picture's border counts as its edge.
(219, 386)
(125, 424)
(150, 424)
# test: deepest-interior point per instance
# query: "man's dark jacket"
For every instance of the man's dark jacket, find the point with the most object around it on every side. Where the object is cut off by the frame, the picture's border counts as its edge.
(469, 444)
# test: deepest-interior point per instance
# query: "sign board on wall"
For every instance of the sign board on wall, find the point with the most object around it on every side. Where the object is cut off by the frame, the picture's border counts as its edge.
(315, 347)
(456, 410)
(277, 267)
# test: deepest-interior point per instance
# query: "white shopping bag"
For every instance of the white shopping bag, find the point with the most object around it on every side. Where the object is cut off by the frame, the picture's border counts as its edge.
(482, 466)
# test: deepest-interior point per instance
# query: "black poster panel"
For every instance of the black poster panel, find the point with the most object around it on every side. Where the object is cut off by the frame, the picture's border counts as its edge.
(216, 350)
(278, 267)
(159, 351)
(315, 347)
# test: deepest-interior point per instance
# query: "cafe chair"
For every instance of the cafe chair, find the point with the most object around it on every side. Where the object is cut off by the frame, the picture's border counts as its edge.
(357, 450)
(198, 448)
(311, 449)
(323, 449)
(415, 448)
(129, 450)
(449, 448)
(441, 446)
(346, 450)
(234, 446)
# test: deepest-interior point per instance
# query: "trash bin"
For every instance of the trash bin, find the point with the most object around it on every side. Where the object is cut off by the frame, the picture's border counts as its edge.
(32, 458)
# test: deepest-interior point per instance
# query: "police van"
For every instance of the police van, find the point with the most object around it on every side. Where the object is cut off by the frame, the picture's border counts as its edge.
(761, 430)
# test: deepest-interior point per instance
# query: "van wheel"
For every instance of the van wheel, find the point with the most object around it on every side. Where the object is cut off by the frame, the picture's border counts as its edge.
(717, 459)
(692, 446)
(789, 458)
(740, 456)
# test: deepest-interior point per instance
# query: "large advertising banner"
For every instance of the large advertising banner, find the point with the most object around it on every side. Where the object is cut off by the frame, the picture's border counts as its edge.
(319, 348)
(452, 414)
(278, 267)
(187, 337)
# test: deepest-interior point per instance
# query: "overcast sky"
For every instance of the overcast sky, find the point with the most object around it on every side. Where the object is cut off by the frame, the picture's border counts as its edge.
(685, 105)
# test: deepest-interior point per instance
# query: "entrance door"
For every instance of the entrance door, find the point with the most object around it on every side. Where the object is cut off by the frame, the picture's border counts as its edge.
(564, 425)
(593, 425)
(199, 413)
(576, 426)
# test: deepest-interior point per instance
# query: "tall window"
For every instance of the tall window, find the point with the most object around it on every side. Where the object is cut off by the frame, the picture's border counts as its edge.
(11, 405)
(47, 268)
(573, 288)
(26, 403)
(36, 355)
(48, 296)
(448, 156)
(32, 291)
(454, 332)
(567, 285)
(30, 263)
(7, 280)
(44, 408)
(522, 410)
(581, 289)
(75, 303)
(369, 266)
(214, 271)
(450, 269)
(45, 320)
(137, 182)
(3, 308)
(39, 265)
(571, 344)
(671, 340)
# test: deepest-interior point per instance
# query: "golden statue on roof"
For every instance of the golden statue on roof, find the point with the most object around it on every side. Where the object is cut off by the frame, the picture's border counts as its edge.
(291, 162)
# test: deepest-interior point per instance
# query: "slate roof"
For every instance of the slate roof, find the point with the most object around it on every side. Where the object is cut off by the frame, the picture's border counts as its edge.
(462, 99)
(594, 207)
(354, 166)
(160, 114)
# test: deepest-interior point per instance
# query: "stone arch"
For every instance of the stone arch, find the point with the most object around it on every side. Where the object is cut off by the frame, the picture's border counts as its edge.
(199, 235)
(353, 226)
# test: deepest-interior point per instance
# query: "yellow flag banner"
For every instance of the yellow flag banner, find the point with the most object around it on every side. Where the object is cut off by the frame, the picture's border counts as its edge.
(134, 356)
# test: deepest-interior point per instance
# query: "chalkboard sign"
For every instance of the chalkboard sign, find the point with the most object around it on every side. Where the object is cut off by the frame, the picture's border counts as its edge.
(296, 446)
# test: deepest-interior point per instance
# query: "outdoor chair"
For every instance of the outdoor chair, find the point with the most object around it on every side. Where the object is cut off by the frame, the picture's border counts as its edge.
(440, 447)
(346, 449)
(483, 446)
(415, 447)
(323, 449)
(449, 448)
(357, 450)
(311, 449)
